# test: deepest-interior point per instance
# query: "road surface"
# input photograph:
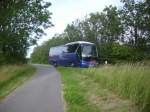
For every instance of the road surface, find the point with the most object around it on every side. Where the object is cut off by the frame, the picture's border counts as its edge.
(40, 94)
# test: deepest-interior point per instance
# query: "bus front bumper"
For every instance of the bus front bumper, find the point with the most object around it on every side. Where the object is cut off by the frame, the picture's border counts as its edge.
(86, 64)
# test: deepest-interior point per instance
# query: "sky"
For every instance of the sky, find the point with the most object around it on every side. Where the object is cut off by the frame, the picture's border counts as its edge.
(66, 11)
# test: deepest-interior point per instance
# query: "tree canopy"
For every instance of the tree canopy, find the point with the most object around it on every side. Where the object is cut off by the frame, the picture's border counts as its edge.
(21, 25)
(120, 34)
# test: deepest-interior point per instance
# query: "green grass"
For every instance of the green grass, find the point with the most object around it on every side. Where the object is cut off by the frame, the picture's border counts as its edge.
(11, 76)
(74, 94)
(119, 88)
(129, 81)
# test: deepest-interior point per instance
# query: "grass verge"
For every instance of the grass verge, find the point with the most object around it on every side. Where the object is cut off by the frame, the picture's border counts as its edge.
(74, 94)
(11, 76)
(120, 88)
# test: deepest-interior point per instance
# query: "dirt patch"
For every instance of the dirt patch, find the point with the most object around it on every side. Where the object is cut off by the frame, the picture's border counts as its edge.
(111, 102)
(104, 99)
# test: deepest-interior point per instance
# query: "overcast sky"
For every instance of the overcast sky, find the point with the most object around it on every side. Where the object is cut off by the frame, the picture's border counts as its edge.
(66, 11)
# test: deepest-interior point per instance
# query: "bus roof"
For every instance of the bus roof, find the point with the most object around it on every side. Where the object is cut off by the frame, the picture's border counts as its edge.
(79, 42)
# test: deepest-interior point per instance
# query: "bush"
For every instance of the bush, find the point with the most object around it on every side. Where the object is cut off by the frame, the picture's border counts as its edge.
(115, 53)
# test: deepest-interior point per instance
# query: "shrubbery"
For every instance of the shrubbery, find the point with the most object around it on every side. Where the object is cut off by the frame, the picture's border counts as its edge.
(115, 53)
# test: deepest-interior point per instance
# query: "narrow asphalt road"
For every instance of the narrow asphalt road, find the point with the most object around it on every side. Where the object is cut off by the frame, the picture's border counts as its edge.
(40, 94)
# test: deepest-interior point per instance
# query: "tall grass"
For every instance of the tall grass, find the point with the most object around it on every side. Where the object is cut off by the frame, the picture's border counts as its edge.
(11, 76)
(75, 94)
(130, 81)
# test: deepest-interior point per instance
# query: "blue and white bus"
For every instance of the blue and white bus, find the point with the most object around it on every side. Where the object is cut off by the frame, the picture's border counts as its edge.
(79, 53)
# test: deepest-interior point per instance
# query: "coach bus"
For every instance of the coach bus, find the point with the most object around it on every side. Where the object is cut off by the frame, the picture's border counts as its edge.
(77, 54)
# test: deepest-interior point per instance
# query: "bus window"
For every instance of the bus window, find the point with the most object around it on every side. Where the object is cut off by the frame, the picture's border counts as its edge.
(88, 50)
(72, 48)
(56, 50)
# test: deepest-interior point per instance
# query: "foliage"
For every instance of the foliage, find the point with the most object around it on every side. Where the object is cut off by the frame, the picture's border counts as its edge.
(21, 25)
(115, 53)
(120, 34)
(134, 16)
(112, 28)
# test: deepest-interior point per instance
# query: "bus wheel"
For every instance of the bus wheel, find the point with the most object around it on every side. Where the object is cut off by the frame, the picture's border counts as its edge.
(55, 64)
(72, 64)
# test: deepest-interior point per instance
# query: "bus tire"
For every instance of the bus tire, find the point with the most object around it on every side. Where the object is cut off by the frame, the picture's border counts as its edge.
(55, 64)
(72, 64)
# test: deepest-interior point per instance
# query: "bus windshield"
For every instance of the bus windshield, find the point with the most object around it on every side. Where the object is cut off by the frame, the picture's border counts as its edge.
(89, 50)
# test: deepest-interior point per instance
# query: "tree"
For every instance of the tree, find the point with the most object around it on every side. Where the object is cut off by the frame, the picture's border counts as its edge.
(21, 25)
(89, 32)
(73, 32)
(104, 27)
(145, 8)
(130, 25)
(135, 20)
(112, 24)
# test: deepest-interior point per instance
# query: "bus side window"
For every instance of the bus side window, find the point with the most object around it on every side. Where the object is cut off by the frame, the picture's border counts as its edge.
(72, 48)
(64, 49)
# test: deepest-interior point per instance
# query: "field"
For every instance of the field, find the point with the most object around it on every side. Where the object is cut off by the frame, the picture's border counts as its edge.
(119, 88)
(12, 76)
